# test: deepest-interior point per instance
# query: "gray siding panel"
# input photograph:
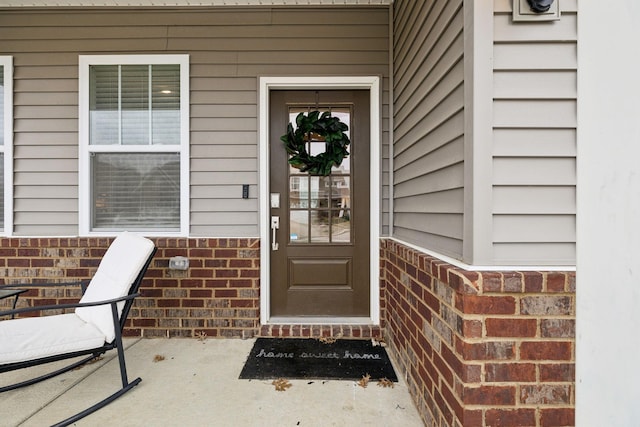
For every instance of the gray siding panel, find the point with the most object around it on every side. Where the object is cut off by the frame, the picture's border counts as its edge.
(539, 199)
(534, 171)
(553, 31)
(539, 142)
(535, 229)
(530, 148)
(224, 137)
(228, 49)
(535, 113)
(534, 128)
(562, 254)
(542, 84)
(445, 157)
(429, 125)
(441, 180)
(535, 56)
(442, 244)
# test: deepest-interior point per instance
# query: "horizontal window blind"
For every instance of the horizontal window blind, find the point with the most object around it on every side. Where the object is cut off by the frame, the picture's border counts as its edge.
(134, 104)
(104, 105)
(165, 102)
(136, 191)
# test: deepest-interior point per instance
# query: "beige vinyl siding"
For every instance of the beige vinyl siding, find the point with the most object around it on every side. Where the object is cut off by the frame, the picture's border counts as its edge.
(534, 138)
(429, 124)
(519, 208)
(228, 49)
(45, 143)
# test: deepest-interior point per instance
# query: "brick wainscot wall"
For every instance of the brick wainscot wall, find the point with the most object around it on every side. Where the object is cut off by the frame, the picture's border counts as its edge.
(219, 295)
(476, 348)
(481, 348)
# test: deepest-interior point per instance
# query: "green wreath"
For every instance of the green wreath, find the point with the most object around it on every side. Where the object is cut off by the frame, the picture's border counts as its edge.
(314, 126)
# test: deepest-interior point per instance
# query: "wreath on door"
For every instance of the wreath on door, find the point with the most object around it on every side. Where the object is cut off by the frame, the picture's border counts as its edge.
(316, 127)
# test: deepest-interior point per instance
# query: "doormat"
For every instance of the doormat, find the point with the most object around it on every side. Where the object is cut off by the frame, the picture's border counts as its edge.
(309, 358)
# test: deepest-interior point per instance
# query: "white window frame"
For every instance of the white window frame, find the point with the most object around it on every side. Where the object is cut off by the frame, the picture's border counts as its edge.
(85, 149)
(7, 148)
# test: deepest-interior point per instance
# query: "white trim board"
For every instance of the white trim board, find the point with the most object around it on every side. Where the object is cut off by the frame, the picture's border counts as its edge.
(608, 230)
(7, 99)
(371, 83)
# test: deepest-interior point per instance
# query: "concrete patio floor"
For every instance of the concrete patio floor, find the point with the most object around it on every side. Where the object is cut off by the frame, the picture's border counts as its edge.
(196, 384)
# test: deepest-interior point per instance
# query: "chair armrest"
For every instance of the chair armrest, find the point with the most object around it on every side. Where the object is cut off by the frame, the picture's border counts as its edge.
(69, 305)
(43, 285)
(82, 283)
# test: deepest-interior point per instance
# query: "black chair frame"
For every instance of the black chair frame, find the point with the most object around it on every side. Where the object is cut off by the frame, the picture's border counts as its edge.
(118, 322)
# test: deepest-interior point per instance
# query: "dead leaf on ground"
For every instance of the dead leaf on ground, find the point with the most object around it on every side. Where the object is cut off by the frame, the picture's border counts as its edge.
(158, 358)
(364, 381)
(385, 382)
(330, 340)
(281, 384)
(379, 341)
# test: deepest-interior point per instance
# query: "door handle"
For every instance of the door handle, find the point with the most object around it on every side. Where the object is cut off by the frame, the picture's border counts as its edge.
(275, 224)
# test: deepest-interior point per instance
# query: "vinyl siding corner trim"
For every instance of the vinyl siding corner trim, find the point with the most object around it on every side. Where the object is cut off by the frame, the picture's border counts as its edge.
(6, 63)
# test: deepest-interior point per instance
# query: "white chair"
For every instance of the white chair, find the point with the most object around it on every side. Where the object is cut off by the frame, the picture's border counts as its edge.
(92, 329)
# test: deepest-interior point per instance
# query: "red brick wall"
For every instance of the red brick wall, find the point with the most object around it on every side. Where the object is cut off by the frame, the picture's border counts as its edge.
(481, 348)
(218, 295)
(476, 348)
(319, 331)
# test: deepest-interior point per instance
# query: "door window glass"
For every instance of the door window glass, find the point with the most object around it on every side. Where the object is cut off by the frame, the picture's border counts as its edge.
(319, 206)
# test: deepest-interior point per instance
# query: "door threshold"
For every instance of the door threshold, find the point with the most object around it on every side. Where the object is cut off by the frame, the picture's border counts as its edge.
(320, 321)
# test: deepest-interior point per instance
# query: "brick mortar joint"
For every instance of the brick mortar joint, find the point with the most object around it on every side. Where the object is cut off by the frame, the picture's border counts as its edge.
(536, 407)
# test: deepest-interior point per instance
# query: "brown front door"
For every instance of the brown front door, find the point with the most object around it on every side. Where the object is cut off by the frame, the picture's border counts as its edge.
(321, 264)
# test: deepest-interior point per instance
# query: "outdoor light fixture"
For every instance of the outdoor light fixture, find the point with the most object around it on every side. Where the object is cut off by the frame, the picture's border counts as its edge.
(178, 263)
(536, 10)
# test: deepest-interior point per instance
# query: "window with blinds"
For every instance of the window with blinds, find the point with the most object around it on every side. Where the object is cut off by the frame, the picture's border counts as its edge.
(136, 191)
(134, 104)
(134, 146)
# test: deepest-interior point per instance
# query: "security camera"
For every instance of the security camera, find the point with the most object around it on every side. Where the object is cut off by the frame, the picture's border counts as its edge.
(540, 6)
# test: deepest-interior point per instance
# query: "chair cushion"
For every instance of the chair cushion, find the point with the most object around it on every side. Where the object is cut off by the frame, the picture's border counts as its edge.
(35, 337)
(117, 271)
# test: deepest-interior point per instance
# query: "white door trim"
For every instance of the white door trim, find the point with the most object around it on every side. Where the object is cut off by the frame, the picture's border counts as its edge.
(265, 84)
